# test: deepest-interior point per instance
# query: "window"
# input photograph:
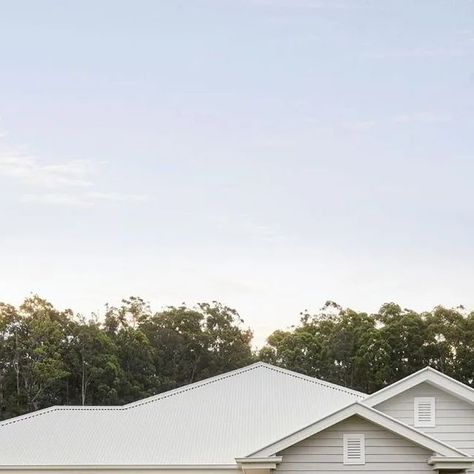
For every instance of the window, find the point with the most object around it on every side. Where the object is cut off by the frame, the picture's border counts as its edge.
(424, 412)
(354, 448)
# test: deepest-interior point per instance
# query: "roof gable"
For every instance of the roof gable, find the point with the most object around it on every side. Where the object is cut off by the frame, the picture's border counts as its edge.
(368, 413)
(428, 375)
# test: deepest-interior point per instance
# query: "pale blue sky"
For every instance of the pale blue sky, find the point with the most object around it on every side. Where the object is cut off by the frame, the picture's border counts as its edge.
(270, 154)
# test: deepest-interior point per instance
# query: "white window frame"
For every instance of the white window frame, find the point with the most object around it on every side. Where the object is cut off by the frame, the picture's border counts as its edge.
(420, 423)
(354, 436)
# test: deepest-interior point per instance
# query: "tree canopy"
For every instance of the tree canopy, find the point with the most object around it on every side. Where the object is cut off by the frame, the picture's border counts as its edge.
(52, 357)
(369, 351)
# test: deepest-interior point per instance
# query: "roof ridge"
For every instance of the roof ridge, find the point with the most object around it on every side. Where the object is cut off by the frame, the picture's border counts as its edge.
(51, 409)
(27, 416)
(191, 386)
(240, 371)
(315, 380)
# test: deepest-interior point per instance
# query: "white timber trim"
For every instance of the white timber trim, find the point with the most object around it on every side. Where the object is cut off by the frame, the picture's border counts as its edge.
(428, 375)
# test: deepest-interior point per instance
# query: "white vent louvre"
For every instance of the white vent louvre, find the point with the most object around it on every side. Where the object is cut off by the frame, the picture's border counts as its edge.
(424, 412)
(354, 448)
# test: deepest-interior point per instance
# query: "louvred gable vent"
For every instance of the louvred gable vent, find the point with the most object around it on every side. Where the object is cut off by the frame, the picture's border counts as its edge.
(424, 411)
(354, 449)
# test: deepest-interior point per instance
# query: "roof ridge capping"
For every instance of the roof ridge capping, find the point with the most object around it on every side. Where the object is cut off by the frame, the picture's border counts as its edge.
(192, 386)
(54, 408)
(426, 374)
(308, 378)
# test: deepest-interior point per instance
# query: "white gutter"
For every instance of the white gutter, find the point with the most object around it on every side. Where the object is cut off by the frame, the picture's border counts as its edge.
(120, 467)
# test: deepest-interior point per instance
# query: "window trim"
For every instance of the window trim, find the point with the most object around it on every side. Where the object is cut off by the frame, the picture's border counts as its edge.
(361, 438)
(417, 423)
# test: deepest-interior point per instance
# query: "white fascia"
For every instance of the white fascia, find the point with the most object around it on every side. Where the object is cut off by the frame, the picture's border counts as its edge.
(428, 375)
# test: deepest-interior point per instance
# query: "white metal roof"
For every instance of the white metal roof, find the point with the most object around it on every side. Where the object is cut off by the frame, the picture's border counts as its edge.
(207, 423)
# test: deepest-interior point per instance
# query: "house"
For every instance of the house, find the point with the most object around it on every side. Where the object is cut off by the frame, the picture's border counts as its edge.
(256, 419)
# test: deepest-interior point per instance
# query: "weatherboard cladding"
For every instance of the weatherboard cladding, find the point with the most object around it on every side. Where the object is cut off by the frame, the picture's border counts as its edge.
(384, 451)
(210, 422)
(454, 417)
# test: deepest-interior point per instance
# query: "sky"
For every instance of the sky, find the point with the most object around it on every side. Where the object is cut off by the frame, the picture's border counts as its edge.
(268, 154)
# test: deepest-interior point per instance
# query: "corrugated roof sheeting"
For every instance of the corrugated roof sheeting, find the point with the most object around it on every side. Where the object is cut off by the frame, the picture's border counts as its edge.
(211, 422)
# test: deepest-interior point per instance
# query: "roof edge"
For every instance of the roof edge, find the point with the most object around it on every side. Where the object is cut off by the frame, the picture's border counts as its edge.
(192, 386)
(308, 378)
(427, 374)
(54, 408)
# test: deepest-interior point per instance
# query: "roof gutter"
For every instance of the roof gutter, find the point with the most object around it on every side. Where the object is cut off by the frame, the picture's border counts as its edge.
(121, 467)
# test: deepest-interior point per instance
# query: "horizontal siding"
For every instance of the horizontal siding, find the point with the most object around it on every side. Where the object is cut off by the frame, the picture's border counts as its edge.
(375, 441)
(334, 458)
(385, 452)
(368, 466)
(375, 449)
(454, 417)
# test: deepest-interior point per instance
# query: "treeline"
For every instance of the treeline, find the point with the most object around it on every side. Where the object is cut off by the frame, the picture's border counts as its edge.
(369, 351)
(52, 357)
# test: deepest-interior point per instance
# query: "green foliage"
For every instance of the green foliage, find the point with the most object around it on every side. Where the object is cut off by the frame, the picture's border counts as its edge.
(50, 357)
(368, 352)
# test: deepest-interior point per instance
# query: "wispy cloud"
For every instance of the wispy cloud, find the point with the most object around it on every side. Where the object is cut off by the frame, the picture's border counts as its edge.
(312, 4)
(71, 183)
(118, 197)
(28, 169)
(421, 117)
(365, 125)
(360, 125)
(57, 199)
(417, 53)
(82, 200)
